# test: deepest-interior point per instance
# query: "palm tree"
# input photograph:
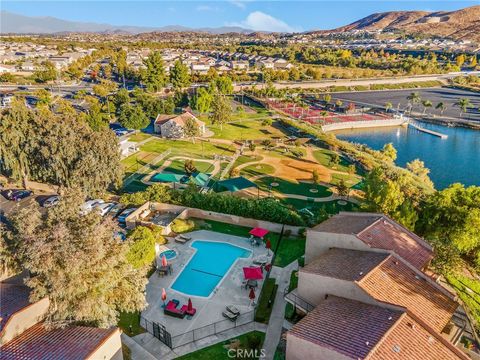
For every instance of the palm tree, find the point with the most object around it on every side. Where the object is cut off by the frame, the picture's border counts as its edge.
(426, 104)
(388, 106)
(463, 104)
(414, 98)
(441, 106)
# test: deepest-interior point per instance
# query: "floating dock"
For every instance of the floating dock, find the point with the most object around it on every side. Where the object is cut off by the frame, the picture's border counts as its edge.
(427, 131)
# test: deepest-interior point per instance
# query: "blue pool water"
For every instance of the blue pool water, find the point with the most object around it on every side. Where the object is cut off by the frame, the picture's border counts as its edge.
(207, 267)
(169, 254)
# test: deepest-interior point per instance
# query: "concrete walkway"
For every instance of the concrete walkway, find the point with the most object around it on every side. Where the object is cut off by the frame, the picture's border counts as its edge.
(137, 351)
(277, 318)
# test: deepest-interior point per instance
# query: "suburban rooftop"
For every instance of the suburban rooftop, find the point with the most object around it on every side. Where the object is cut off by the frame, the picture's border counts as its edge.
(362, 331)
(379, 231)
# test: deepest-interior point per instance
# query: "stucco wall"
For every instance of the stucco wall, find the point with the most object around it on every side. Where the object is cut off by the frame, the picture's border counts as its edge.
(363, 124)
(313, 289)
(110, 349)
(320, 242)
(23, 319)
(300, 349)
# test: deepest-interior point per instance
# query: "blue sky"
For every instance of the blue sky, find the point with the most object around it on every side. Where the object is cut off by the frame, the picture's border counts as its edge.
(256, 15)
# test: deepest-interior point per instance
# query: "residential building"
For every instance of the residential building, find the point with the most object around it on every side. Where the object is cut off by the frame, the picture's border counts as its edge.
(343, 329)
(367, 231)
(23, 335)
(172, 126)
(365, 295)
(6, 100)
(7, 69)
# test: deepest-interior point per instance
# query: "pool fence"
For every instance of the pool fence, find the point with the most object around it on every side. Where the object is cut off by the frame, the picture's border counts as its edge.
(161, 333)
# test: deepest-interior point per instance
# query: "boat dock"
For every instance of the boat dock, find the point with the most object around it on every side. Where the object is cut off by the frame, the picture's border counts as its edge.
(427, 131)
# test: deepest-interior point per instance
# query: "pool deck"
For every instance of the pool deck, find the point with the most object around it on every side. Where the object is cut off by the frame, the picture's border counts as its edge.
(209, 310)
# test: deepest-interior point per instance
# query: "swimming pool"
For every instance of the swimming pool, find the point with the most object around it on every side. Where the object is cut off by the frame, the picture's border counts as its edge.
(169, 254)
(207, 267)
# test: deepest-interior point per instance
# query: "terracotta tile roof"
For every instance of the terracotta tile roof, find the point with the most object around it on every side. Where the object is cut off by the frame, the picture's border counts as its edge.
(349, 327)
(13, 297)
(408, 339)
(345, 264)
(347, 223)
(179, 119)
(70, 343)
(362, 331)
(379, 231)
(387, 234)
(394, 282)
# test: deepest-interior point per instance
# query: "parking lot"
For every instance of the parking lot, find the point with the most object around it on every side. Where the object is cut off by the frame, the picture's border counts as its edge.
(8, 206)
(398, 98)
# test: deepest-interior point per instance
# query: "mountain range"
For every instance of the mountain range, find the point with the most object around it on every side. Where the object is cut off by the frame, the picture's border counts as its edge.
(11, 23)
(459, 24)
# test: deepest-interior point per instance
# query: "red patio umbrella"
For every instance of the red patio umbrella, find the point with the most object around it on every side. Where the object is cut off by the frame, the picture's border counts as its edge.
(251, 296)
(164, 296)
(259, 232)
(189, 306)
(164, 261)
(253, 273)
(268, 245)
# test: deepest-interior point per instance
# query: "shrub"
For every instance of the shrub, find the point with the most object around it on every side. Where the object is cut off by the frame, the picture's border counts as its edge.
(142, 247)
(181, 226)
(265, 302)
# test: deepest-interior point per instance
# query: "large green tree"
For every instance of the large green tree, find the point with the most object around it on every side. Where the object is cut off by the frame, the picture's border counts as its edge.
(202, 100)
(153, 76)
(221, 110)
(76, 261)
(58, 149)
(180, 75)
(133, 117)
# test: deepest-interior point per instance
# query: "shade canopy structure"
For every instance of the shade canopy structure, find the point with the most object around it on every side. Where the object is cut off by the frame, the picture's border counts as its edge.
(200, 179)
(166, 178)
(234, 184)
(253, 273)
(258, 232)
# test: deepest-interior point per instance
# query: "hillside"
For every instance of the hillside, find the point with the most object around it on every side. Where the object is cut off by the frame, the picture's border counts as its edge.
(461, 24)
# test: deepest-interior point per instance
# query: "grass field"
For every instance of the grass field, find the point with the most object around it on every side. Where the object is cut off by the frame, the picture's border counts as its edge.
(243, 159)
(287, 187)
(199, 149)
(257, 169)
(220, 351)
(139, 137)
(324, 157)
(130, 323)
(331, 207)
(350, 180)
(178, 167)
(246, 130)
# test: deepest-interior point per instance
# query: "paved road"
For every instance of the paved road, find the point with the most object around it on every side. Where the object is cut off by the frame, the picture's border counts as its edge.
(350, 82)
(398, 98)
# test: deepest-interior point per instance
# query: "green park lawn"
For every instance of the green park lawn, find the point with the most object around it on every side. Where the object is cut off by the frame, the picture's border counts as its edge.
(287, 187)
(324, 156)
(220, 351)
(243, 159)
(247, 129)
(330, 207)
(257, 169)
(350, 180)
(130, 323)
(139, 137)
(199, 149)
(178, 167)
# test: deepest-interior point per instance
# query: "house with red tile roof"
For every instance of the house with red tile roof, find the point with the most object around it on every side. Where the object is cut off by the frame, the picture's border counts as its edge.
(377, 278)
(342, 329)
(172, 126)
(23, 334)
(369, 232)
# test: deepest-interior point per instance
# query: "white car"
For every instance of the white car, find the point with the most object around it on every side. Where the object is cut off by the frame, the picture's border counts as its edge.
(89, 205)
(104, 209)
(51, 201)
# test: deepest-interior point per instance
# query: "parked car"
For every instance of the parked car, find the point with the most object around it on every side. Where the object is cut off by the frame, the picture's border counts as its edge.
(116, 209)
(89, 205)
(124, 214)
(104, 209)
(17, 195)
(51, 201)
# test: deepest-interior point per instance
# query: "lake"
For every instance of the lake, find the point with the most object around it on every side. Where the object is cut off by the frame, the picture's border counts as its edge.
(455, 159)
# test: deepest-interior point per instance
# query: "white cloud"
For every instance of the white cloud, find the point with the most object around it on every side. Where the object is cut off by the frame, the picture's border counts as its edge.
(238, 3)
(260, 21)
